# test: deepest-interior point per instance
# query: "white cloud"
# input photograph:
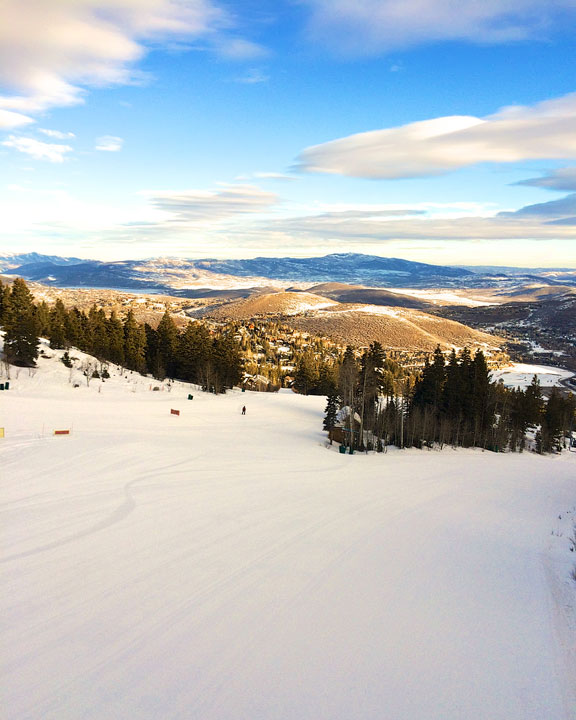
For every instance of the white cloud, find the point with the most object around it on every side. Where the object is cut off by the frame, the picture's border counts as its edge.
(109, 143)
(39, 150)
(56, 134)
(363, 27)
(546, 130)
(10, 120)
(51, 50)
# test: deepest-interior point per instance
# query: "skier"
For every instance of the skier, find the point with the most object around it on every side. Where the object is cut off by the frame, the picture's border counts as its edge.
(244, 410)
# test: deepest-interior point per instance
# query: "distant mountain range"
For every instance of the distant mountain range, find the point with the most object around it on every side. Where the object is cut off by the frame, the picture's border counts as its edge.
(338, 267)
(191, 278)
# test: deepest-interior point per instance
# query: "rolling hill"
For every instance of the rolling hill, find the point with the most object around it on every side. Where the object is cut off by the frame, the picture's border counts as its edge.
(358, 324)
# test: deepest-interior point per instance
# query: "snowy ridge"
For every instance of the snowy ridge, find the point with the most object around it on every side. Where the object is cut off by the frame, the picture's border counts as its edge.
(216, 566)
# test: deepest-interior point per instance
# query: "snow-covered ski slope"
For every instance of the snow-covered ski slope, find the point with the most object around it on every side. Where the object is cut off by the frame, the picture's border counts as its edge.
(521, 375)
(214, 566)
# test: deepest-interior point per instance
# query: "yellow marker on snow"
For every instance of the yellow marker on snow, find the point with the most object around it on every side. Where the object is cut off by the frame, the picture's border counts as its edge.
(1, 432)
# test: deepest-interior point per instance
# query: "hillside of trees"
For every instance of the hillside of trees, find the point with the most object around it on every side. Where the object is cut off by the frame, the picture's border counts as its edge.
(451, 402)
(194, 354)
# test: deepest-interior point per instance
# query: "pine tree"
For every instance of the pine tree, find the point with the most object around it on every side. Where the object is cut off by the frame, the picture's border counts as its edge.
(306, 376)
(134, 344)
(227, 362)
(21, 339)
(331, 411)
(57, 325)
(115, 333)
(167, 339)
(76, 328)
(42, 312)
(480, 397)
(552, 422)
(534, 402)
(194, 349)
(98, 332)
(3, 296)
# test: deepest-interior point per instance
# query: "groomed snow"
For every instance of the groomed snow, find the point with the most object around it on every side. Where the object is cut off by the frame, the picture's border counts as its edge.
(215, 566)
(521, 374)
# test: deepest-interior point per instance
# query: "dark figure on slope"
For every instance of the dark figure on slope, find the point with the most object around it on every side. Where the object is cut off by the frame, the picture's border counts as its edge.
(244, 410)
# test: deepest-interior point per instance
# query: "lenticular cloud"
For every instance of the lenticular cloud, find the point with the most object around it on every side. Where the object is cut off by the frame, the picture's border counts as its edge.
(546, 130)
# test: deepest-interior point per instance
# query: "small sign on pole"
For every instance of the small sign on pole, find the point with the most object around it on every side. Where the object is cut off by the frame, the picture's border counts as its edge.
(175, 412)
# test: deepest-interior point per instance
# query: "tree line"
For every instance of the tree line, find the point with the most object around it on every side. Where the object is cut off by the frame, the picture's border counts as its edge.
(451, 402)
(193, 354)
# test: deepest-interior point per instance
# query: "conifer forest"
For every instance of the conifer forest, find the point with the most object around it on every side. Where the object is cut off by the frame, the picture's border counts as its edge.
(372, 400)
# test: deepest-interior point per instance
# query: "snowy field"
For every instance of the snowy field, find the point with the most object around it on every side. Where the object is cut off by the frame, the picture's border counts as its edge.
(521, 374)
(211, 566)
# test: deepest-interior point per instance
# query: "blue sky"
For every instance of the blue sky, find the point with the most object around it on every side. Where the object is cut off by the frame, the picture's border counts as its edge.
(425, 129)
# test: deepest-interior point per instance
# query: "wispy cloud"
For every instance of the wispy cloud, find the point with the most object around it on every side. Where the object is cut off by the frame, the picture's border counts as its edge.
(282, 177)
(553, 209)
(433, 147)
(58, 134)
(362, 27)
(52, 152)
(234, 48)
(559, 179)
(109, 143)
(10, 120)
(51, 51)
(534, 222)
(253, 76)
(193, 206)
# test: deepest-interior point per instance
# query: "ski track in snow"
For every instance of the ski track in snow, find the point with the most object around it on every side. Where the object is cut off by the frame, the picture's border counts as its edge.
(220, 567)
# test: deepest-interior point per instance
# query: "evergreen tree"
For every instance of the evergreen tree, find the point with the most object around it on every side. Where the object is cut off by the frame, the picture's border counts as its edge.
(227, 362)
(115, 333)
(331, 411)
(76, 323)
(43, 319)
(98, 333)
(429, 387)
(327, 379)
(534, 402)
(193, 352)
(306, 376)
(57, 325)
(134, 344)
(480, 397)
(21, 339)
(453, 387)
(3, 296)
(552, 423)
(167, 339)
